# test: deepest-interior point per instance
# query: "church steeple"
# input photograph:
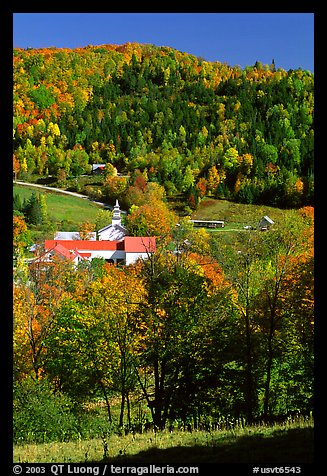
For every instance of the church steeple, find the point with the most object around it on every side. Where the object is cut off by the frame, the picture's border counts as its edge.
(116, 218)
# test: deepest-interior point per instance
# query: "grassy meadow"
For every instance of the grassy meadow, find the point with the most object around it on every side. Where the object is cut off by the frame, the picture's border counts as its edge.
(73, 210)
(235, 215)
(287, 443)
(67, 208)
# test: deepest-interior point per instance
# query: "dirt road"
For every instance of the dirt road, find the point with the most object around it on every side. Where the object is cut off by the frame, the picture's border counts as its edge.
(67, 192)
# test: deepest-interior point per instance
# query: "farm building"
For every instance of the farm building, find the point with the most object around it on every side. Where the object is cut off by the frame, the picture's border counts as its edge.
(113, 245)
(98, 169)
(265, 223)
(208, 223)
(59, 251)
(73, 235)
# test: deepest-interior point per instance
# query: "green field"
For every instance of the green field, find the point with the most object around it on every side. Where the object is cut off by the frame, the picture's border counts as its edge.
(289, 443)
(75, 210)
(235, 215)
(72, 210)
(68, 212)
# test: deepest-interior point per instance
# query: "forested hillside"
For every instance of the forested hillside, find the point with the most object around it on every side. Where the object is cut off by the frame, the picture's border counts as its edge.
(196, 127)
(214, 327)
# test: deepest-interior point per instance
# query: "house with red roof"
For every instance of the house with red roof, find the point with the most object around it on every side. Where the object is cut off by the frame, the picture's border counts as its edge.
(98, 169)
(125, 251)
(59, 251)
(138, 247)
(113, 245)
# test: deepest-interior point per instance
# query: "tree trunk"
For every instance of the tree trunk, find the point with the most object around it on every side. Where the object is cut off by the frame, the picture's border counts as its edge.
(128, 410)
(249, 385)
(157, 404)
(268, 370)
(107, 400)
(122, 406)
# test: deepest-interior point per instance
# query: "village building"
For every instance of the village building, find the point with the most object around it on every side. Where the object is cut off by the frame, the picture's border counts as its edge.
(98, 169)
(115, 231)
(73, 235)
(126, 251)
(208, 223)
(59, 251)
(113, 245)
(265, 223)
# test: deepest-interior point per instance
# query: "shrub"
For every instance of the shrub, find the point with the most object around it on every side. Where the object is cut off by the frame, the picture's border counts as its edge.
(40, 415)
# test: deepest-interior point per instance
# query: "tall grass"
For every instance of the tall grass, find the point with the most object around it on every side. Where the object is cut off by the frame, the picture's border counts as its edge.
(159, 444)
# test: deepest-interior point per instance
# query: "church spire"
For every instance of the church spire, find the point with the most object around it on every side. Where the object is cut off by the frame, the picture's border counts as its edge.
(116, 218)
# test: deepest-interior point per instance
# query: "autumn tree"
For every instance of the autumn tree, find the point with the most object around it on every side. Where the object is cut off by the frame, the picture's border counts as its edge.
(115, 186)
(36, 302)
(21, 234)
(86, 229)
(213, 179)
(261, 267)
(16, 166)
(179, 299)
(93, 348)
(241, 268)
(285, 251)
(153, 219)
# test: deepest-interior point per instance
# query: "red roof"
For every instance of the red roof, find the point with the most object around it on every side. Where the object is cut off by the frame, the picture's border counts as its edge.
(64, 252)
(82, 245)
(140, 244)
(59, 249)
(131, 244)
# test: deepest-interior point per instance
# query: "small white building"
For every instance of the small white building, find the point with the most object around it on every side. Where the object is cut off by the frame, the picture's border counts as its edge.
(98, 169)
(73, 235)
(208, 223)
(265, 223)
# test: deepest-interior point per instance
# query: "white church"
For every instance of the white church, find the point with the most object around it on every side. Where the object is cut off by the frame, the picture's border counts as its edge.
(114, 231)
(113, 244)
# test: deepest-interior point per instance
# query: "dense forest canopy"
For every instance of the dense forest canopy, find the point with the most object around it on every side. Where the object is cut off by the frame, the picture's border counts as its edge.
(193, 126)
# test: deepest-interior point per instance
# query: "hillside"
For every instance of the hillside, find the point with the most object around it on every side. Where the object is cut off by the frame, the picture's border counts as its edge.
(66, 211)
(196, 127)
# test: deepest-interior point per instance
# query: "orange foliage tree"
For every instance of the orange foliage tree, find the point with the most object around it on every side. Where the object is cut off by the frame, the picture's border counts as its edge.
(154, 219)
(96, 334)
(85, 230)
(36, 302)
